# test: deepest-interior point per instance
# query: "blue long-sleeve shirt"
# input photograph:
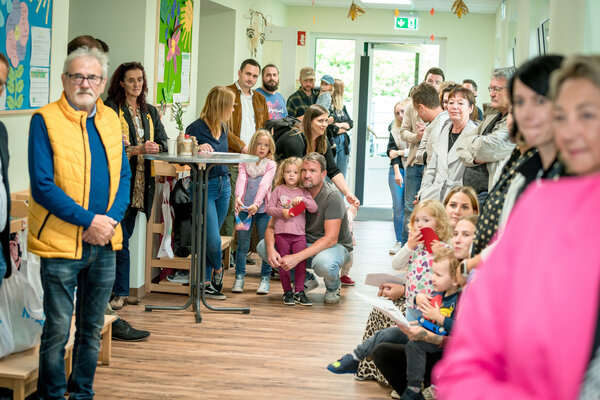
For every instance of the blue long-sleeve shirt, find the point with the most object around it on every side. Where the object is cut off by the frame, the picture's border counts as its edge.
(201, 131)
(54, 199)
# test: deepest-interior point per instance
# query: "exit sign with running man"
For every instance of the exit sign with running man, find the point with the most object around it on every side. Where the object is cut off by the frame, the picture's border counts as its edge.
(407, 23)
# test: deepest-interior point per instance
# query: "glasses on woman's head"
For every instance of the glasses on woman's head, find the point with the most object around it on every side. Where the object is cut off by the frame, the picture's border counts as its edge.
(77, 79)
(496, 89)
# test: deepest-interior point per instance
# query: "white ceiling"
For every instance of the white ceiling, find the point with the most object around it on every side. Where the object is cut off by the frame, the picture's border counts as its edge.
(475, 6)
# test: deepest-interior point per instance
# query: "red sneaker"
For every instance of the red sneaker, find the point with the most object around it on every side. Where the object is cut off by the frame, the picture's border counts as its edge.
(347, 281)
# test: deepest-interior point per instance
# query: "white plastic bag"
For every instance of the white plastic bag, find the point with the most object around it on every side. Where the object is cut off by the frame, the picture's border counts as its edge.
(165, 249)
(30, 267)
(7, 345)
(24, 311)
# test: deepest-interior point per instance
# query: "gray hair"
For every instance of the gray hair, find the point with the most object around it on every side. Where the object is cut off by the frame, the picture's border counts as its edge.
(85, 51)
(316, 157)
(503, 73)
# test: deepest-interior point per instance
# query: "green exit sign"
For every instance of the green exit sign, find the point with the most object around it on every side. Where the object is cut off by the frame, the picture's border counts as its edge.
(407, 23)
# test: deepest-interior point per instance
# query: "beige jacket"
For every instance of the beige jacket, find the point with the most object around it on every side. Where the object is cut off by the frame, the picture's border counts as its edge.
(408, 134)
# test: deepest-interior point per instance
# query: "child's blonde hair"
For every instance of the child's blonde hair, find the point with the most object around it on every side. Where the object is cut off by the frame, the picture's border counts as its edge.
(284, 164)
(254, 142)
(445, 253)
(437, 211)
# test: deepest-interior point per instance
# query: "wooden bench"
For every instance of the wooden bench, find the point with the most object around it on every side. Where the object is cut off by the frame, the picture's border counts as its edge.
(19, 371)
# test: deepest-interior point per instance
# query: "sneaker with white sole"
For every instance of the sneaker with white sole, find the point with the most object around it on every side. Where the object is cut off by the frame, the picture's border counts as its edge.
(211, 293)
(396, 248)
(347, 281)
(288, 298)
(238, 285)
(263, 286)
(311, 284)
(332, 297)
(302, 299)
(179, 276)
(217, 280)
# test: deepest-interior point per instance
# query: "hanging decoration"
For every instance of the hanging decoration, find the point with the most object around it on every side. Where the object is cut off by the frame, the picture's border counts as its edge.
(396, 13)
(460, 8)
(432, 37)
(256, 32)
(313, 11)
(432, 11)
(355, 11)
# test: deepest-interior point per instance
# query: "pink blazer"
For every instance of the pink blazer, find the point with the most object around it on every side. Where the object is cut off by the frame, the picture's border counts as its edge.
(526, 325)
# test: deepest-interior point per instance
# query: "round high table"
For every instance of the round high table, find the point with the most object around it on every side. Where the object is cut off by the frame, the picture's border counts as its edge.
(200, 166)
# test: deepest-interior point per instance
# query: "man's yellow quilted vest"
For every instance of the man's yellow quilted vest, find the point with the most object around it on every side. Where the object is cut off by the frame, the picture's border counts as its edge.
(50, 236)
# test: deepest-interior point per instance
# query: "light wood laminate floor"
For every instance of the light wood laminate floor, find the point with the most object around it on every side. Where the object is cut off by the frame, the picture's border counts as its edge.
(275, 352)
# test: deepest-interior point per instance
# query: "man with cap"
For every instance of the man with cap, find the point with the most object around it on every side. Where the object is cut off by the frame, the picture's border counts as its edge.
(305, 96)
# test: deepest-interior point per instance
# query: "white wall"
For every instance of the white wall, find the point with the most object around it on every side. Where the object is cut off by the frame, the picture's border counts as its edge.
(468, 41)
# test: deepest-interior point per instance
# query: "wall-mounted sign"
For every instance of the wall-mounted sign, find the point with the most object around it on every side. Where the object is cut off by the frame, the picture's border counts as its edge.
(407, 23)
(301, 38)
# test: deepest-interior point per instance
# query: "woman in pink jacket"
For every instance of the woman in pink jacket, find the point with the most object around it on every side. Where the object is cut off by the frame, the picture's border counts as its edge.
(528, 324)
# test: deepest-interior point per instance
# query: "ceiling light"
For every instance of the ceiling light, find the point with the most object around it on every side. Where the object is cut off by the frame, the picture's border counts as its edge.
(395, 2)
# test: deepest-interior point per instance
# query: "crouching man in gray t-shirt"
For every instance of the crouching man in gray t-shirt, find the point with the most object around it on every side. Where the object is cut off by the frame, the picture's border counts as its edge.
(327, 233)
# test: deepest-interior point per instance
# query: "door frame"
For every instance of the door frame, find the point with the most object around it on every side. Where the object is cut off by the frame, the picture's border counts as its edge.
(360, 49)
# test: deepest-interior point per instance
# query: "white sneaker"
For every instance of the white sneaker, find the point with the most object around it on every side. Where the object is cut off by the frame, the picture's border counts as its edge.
(263, 286)
(238, 285)
(396, 248)
(332, 297)
(311, 284)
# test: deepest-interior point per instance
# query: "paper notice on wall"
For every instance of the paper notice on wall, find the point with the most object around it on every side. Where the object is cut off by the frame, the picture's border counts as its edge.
(40, 47)
(161, 62)
(39, 86)
(178, 98)
(185, 76)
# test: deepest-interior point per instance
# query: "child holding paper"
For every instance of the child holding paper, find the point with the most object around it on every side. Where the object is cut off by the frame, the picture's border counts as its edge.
(413, 255)
(286, 205)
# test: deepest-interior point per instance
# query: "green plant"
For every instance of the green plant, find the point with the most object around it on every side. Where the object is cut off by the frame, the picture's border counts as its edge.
(178, 115)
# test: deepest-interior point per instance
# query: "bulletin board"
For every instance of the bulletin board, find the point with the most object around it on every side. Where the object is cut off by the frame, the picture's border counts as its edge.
(25, 38)
(174, 51)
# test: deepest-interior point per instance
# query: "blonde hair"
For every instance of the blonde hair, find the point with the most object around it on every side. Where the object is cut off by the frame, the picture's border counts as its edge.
(438, 212)
(217, 105)
(467, 191)
(402, 103)
(337, 96)
(445, 253)
(578, 66)
(254, 142)
(313, 112)
(279, 180)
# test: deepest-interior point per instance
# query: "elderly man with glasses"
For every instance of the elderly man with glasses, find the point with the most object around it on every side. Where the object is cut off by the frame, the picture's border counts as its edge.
(486, 148)
(79, 178)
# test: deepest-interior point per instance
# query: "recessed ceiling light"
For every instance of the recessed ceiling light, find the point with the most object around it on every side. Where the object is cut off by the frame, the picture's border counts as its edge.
(396, 2)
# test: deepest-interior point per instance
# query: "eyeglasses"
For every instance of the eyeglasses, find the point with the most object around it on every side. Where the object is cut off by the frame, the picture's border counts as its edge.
(496, 89)
(77, 79)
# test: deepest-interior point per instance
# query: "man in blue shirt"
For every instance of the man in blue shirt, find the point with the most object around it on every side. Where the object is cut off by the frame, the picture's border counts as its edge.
(79, 176)
(270, 84)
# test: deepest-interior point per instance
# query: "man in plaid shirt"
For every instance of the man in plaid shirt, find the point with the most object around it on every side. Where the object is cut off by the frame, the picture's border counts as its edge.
(305, 96)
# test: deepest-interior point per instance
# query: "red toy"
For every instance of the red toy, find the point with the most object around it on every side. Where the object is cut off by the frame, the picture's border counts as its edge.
(429, 236)
(297, 209)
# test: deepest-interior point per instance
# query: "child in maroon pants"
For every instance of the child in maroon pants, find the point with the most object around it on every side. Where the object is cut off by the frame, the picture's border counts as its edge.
(286, 206)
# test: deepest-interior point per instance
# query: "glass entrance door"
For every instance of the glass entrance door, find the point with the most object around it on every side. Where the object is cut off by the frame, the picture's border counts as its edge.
(393, 70)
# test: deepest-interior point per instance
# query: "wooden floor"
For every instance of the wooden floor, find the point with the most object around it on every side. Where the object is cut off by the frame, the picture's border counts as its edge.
(275, 352)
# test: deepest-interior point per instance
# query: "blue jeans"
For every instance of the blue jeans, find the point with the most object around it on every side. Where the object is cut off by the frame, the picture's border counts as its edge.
(325, 264)
(93, 275)
(2, 265)
(219, 190)
(397, 203)
(243, 243)
(341, 158)
(121, 287)
(412, 185)
(392, 334)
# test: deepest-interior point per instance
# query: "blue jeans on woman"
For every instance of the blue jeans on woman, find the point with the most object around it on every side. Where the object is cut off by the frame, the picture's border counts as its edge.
(397, 203)
(219, 190)
(93, 275)
(260, 220)
(121, 287)
(412, 185)
(341, 158)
